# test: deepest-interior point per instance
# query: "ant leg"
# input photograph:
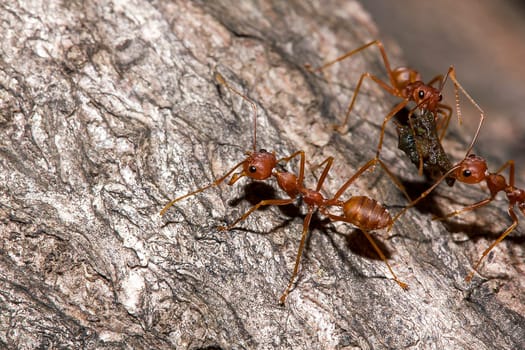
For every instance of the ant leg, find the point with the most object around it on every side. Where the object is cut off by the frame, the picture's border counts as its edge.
(382, 256)
(378, 43)
(306, 224)
(500, 238)
(378, 81)
(374, 245)
(509, 164)
(424, 194)
(443, 124)
(358, 173)
(465, 209)
(328, 161)
(394, 179)
(371, 163)
(302, 161)
(438, 78)
(254, 208)
(215, 183)
(392, 89)
(290, 157)
(389, 116)
(511, 172)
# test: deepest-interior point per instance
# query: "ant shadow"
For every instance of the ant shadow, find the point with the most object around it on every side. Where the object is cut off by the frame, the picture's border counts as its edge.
(358, 244)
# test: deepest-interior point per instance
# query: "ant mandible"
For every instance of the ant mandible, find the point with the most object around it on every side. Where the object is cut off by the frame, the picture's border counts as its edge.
(405, 83)
(361, 211)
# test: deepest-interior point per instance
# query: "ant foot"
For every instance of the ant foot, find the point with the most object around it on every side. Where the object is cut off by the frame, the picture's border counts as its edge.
(402, 285)
(339, 128)
(309, 67)
(282, 299)
(223, 228)
(469, 277)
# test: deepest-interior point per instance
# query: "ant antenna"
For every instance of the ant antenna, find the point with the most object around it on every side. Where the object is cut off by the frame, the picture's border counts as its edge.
(220, 79)
(452, 73)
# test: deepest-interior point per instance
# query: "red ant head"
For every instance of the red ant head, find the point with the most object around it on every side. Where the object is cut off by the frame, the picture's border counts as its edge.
(257, 166)
(425, 96)
(472, 170)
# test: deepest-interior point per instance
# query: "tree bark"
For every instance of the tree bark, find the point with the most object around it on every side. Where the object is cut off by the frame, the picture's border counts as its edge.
(111, 109)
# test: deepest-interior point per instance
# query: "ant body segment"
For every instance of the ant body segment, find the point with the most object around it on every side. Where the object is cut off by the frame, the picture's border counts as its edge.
(361, 211)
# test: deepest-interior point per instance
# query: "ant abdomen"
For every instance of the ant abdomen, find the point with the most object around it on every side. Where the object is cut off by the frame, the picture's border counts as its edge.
(404, 76)
(366, 213)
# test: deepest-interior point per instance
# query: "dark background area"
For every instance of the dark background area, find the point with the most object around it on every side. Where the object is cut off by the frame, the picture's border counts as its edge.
(484, 41)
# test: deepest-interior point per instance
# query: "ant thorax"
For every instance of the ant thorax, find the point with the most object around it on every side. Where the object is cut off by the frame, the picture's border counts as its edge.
(287, 182)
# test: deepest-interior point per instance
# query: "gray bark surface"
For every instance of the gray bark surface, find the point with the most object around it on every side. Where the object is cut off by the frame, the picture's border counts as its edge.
(111, 109)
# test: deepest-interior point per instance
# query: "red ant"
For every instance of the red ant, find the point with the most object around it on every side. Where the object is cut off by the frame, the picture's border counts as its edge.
(473, 170)
(406, 83)
(361, 211)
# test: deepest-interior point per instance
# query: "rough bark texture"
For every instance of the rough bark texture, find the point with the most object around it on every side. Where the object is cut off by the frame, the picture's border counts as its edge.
(109, 109)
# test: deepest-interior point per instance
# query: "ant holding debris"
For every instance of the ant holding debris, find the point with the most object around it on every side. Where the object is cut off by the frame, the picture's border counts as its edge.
(365, 213)
(473, 169)
(407, 84)
(419, 140)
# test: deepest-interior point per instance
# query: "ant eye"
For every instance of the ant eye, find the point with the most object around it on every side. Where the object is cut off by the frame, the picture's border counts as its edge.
(262, 150)
(421, 94)
(440, 97)
(467, 173)
(252, 169)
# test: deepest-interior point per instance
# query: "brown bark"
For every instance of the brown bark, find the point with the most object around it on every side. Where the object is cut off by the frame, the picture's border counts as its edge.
(111, 109)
